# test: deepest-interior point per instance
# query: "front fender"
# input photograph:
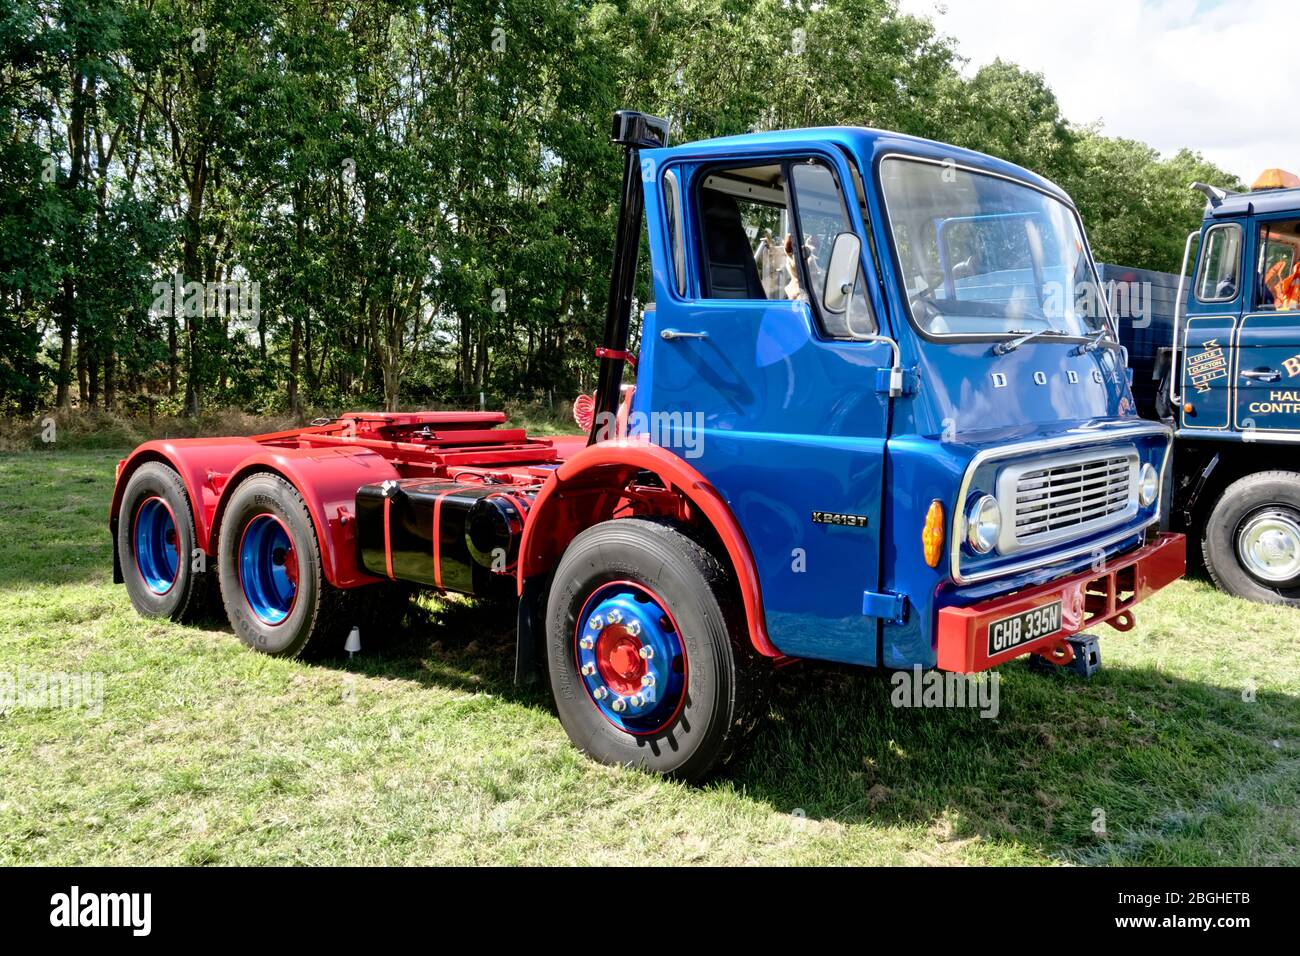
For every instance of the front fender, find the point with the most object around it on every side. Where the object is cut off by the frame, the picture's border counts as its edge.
(601, 472)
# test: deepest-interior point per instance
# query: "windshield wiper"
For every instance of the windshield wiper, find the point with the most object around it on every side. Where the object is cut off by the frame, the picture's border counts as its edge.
(1098, 341)
(1025, 335)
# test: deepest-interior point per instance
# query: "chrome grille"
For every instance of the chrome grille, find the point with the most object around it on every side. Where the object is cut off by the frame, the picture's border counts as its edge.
(1071, 496)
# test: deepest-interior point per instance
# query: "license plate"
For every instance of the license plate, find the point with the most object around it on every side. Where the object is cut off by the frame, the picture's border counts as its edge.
(1010, 632)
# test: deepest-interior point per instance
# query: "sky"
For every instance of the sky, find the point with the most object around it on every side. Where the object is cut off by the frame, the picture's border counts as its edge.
(1171, 73)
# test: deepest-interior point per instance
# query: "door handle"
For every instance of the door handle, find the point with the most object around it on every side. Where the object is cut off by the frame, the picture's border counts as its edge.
(669, 335)
(1262, 374)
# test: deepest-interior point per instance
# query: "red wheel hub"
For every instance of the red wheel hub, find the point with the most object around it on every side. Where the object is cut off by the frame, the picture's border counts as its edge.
(618, 657)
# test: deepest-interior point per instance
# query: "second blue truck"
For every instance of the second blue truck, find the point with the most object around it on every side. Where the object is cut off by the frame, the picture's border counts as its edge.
(1216, 353)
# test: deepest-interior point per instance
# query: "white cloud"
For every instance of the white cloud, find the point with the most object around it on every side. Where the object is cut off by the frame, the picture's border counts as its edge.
(1219, 77)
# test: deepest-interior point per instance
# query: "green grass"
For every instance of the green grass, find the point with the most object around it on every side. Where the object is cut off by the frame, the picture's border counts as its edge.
(422, 751)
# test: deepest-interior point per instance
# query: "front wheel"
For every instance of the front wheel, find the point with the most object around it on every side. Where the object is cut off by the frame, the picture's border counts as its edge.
(272, 584)
(649, 664)
(1251, 540)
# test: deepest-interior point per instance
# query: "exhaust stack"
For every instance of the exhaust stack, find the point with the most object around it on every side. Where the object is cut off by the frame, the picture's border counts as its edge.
(634, 131)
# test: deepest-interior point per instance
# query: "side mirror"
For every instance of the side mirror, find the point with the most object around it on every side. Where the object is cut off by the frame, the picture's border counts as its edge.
(842, 272)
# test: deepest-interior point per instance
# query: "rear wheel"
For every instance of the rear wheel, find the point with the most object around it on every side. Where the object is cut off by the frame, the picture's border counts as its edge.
(1251, 540)
(165, 575)
(649, 664)
(272, 584)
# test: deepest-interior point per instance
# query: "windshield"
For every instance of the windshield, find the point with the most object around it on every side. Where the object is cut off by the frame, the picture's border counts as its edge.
(981, 255)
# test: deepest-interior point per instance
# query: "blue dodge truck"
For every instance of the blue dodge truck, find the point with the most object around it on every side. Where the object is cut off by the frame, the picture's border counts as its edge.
(867, 426)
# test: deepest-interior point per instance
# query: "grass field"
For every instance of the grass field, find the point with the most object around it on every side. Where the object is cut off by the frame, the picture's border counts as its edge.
(420, 750)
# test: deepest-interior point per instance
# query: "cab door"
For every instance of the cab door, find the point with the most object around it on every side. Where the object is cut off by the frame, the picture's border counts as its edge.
(767, 394)
(1213, 315)
(1267, 398)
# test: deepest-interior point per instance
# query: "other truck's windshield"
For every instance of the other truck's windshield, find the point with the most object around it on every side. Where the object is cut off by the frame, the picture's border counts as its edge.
(982, 255)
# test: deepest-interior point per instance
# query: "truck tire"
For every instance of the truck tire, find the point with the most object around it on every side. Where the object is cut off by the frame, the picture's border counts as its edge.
(156, 547)
(649, 662)
(1251, 541)
(272, 583)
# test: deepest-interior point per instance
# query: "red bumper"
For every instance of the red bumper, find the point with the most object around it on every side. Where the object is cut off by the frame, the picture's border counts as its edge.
(1087, 599)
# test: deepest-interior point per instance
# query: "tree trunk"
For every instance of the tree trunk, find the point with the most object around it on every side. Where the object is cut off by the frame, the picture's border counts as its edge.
(295, 331)
(480, 361)
(173, 359)
(193, 264)
(110, 381)
(66, 299)
(295, 346)
(92, 378)
(83, 391)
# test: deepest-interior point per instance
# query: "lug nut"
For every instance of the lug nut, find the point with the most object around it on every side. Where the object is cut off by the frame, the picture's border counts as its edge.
(646, 653)
(588, 670)
(635, 700)
(586, 643)
(600, 693)
(619, 704)
(648, 680)
(634, 627)
(615, 616)
(596, 623)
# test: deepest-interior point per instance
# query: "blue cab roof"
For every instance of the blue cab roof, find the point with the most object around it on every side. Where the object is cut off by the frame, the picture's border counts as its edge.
(1260, 202)
(868, 144)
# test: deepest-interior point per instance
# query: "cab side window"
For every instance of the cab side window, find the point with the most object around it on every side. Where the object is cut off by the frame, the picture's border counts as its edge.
(1277, 269)
(822, 217)
(757, 242)
(1217, 279)
(742, 212)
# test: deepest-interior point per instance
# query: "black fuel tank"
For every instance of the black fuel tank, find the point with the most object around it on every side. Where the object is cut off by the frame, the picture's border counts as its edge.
(477, 528)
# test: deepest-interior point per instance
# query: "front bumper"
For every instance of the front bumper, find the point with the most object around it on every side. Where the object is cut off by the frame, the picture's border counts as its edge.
(1087, 599)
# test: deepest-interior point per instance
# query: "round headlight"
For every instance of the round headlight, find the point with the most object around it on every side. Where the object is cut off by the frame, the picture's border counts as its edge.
(983, 523)
(1148, 485)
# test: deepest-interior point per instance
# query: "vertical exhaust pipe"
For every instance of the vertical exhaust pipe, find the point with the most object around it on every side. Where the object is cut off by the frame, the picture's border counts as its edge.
(633, 131)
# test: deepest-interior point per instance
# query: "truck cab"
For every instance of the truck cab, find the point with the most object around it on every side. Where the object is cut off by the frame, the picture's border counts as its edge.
(878, 339)
(1229, 373)
(867, 422)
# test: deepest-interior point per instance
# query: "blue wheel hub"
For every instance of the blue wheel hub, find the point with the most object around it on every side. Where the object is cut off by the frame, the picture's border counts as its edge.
(631, 658)
(156, 554)
(268, 569)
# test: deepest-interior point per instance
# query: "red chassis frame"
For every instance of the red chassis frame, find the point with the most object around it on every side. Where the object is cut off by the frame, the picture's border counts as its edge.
(1087, 599)
(577, 486)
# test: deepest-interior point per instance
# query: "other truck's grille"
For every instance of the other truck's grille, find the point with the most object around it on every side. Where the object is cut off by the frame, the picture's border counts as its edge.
(1067, 497)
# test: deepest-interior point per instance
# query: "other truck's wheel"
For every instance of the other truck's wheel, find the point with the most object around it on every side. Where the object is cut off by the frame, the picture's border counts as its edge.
(155, 544)
(1251, 540)
(648, 662)
(272, 584)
